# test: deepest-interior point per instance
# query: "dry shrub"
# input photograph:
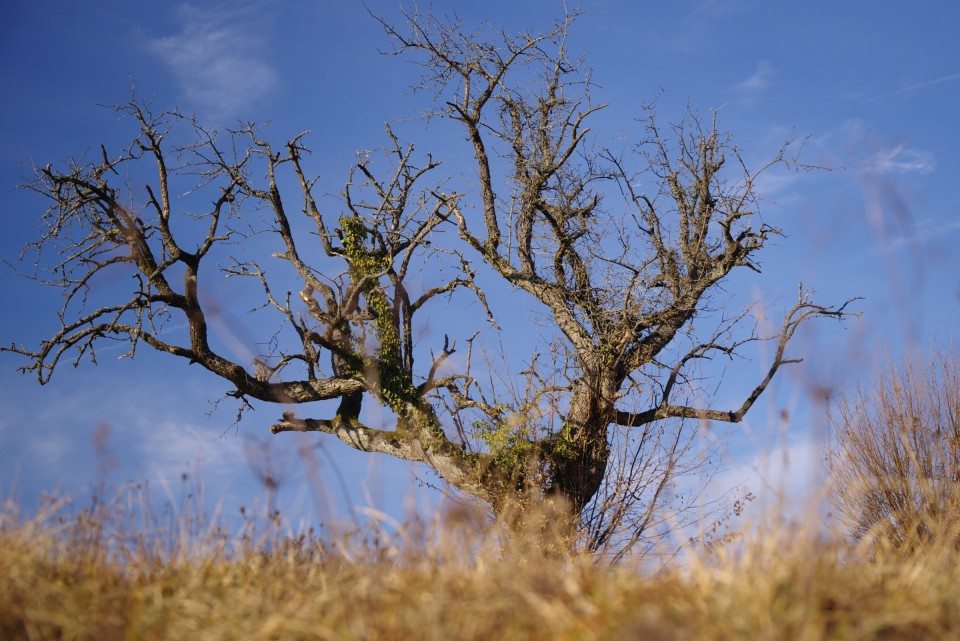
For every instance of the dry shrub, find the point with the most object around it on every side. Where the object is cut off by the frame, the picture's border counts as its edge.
(896, 458)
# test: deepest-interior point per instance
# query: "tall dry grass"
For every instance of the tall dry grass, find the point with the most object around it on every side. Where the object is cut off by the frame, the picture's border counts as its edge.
(118, 569)
(896, 459)
(90, 576)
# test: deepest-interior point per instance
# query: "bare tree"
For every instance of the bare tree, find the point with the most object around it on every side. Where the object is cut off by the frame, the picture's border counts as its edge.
(621, 273)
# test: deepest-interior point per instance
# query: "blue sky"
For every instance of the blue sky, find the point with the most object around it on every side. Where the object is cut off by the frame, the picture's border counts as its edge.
(875, 86)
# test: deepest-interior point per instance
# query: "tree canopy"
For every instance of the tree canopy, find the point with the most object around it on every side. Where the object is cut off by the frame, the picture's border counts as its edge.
(621, 250)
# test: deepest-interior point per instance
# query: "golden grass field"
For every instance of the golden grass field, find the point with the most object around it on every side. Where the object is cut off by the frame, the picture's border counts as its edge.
(83, 577)
(886, 567)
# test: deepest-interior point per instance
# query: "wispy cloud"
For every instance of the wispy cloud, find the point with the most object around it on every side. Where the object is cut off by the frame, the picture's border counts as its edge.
(928, 83)
(900, 160)
(786, 478)
(701, 23)
(216, 57)
(912, 88)
(168, 447)
(858, 146)
(759, 80)
(919, 233)
(778, 186)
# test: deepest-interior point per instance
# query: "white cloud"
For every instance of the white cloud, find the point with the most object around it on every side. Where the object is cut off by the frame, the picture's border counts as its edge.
(786, 479)
(908, 90)
(701, 23)
(900, 160)
(928, 83)
(171, 446)
(51, 450)
(858, 145)
(760, 80)
(778, 186)
(919, 233)
(216, 58)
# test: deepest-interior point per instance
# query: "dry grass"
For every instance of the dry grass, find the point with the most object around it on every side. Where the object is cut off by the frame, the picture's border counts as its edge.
(896, 463)
(97, 576)
(117, 570)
